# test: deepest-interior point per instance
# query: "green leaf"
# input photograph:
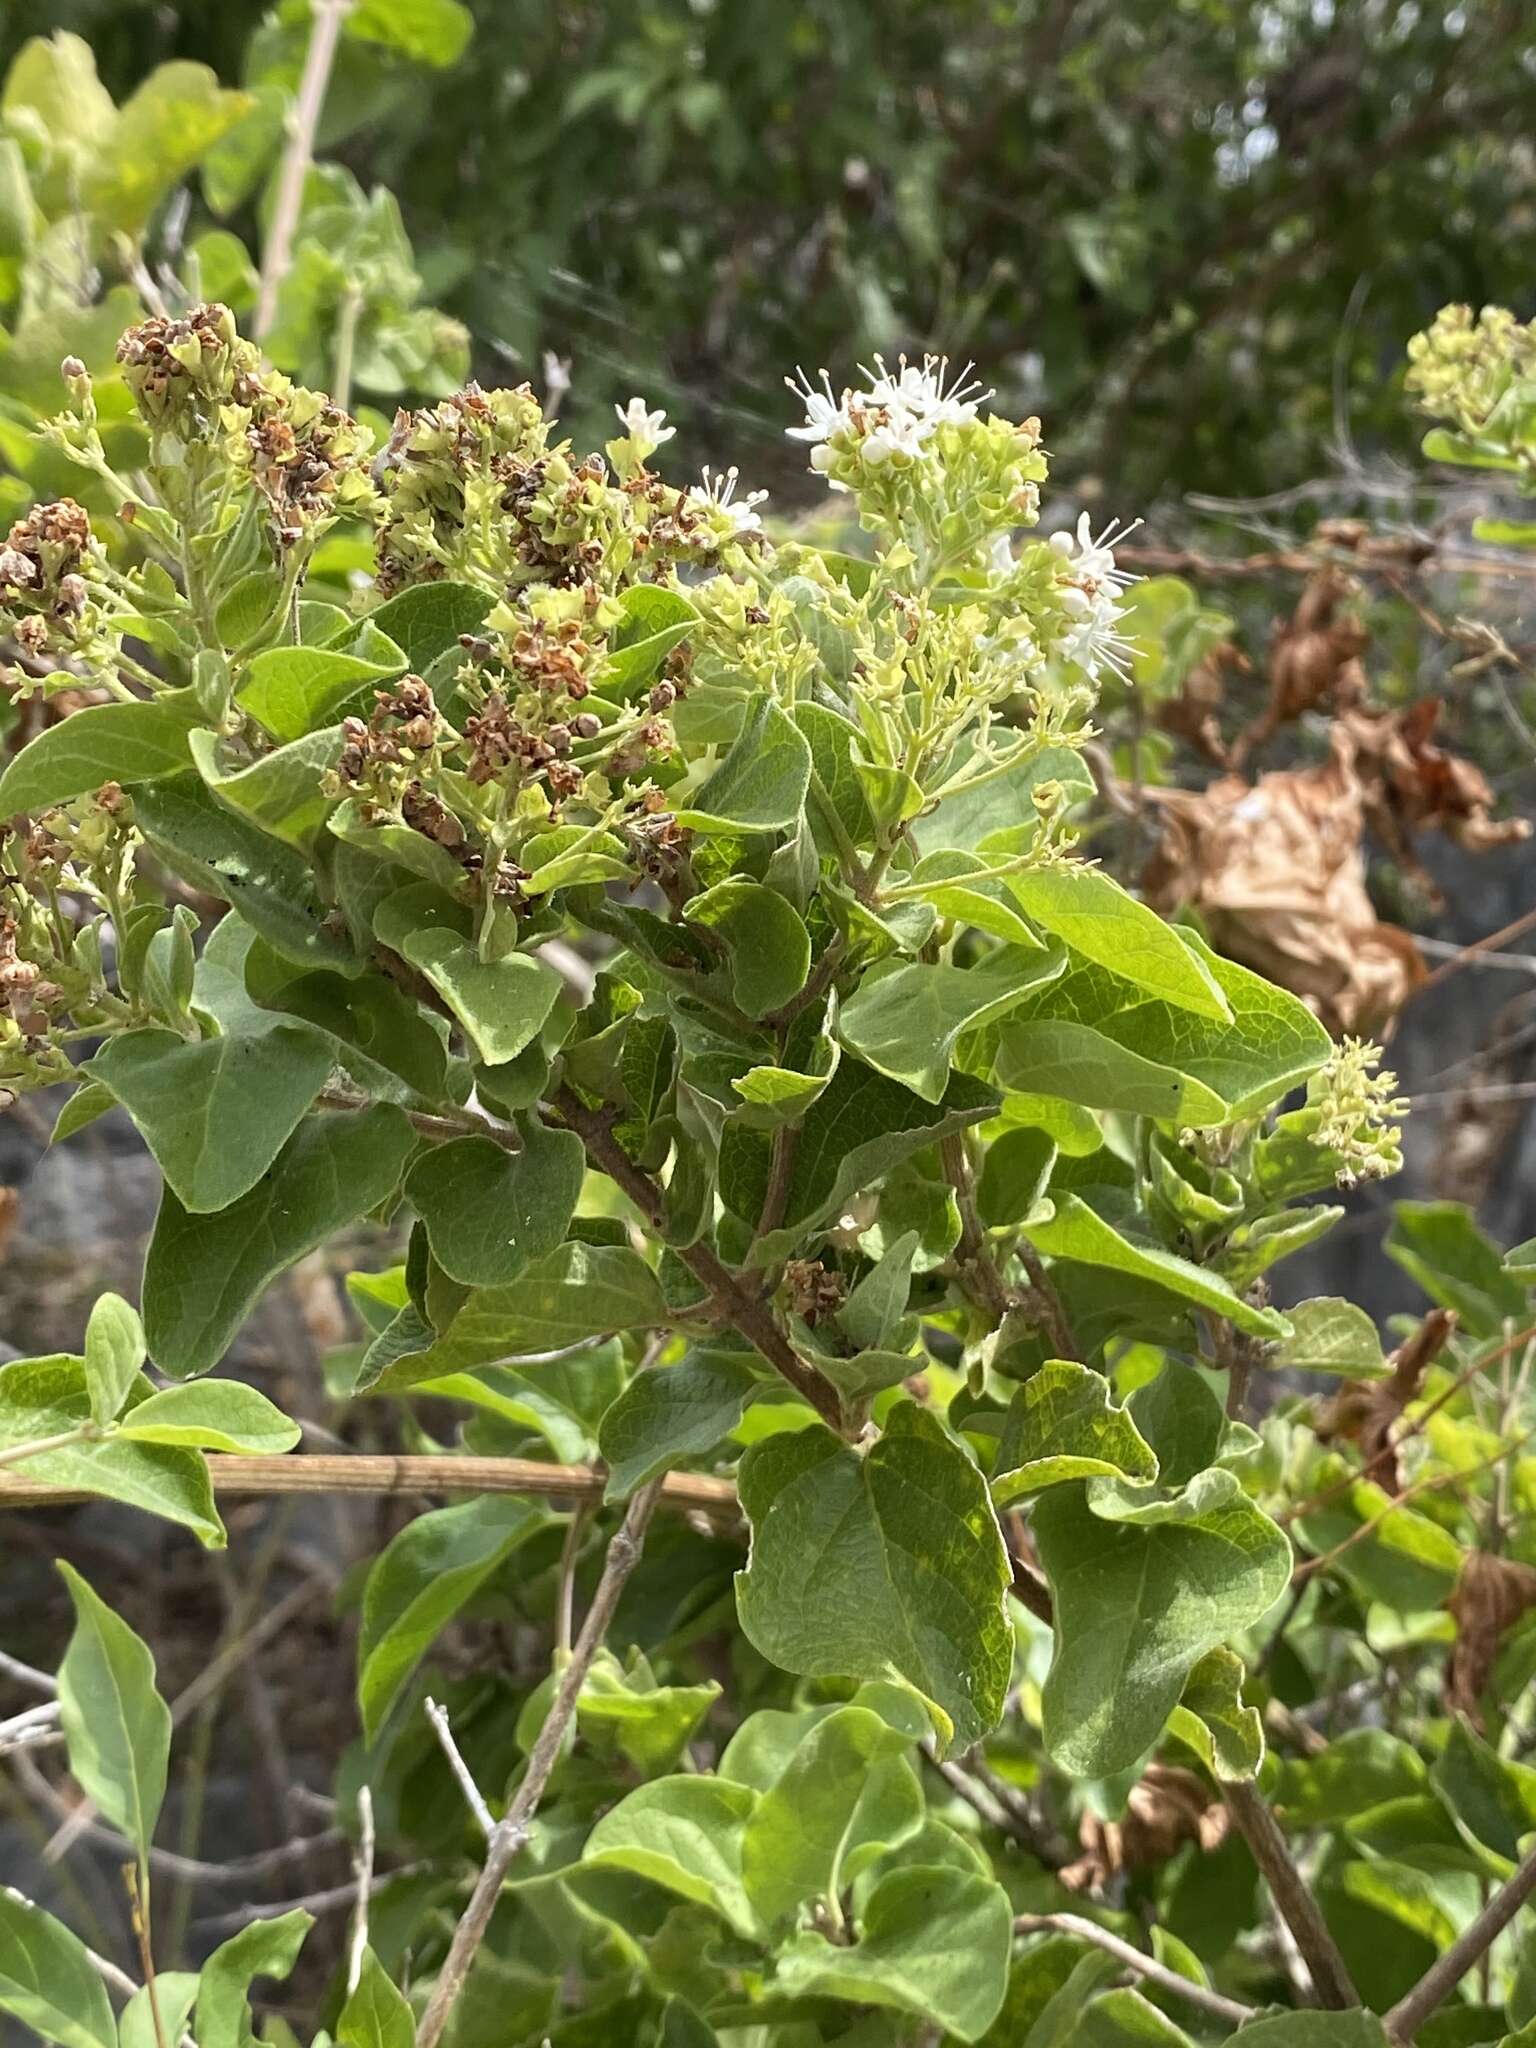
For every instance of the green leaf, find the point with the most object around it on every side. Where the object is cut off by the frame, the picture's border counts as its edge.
(872, 1314)
(220, 1415)
(1492, 1797)
(626, 1714)
(1061, 1425)
(420, 1581)
(1439, 1245)
(835, 784)
(116, 1725)
(1097, 1040)
(375, 2014)
(215, 1113)
(760, 786)
(671, 1413)
(114, 1353)
(654, 622)
(1407, 1562)
(502, 1004)
(1104, 923)
(932, 1942)
(292, 690)
(422, 31)
(958, 886)
(281, 791)
(142, 2025)
(578, 1291)
(861, 1126)
(1330, 1334)
(1315, 2030)
(905, 1018)
(489, 1211)
(1138, 1604)
(890, 1562)
(1124, 2019)
(833, 1795)
(427, 619)
(47, 1980)
(684, 1834)
(203, 1273)
(1004, 804)
(1227, 1736)
(43, 1397)
(385, 839)
(270, 883)
(89, 1101)
(162, 132)
(767, 944)
(267, 1948)
(122, 743)
(53, 81)
(1079, 1233)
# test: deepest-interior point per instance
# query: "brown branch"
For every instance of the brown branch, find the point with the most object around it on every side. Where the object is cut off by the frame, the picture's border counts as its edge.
(1044, 1304)
(1444, 1974)
(325, 32)
(512, 1830)
(749, 1312)
(1169, 1982)
(1293, 1901)
(374, 1475)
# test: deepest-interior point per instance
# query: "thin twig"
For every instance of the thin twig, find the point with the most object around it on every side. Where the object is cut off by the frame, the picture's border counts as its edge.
(565, 1595)
(26, 1674)
(184, 1869)
(1293, 1900)
(1167, 1981)
(512, 1830)
(750, 1313)
(362, 1872)
(438, 1716)
(1466, 954)
(1444, 1974)
(220, 1924)
(325, 31)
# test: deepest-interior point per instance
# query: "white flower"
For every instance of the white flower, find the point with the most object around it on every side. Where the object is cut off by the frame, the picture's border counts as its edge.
(734, 516)
(1090, 598)
(825, 415)
(924, 394)
(642, 424)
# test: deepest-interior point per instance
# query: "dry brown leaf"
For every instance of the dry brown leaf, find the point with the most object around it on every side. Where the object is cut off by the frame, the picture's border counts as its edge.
(10, 1215)
(1193, 714)
(1367, 1412)
(1314, 659)
(1276, 871)
(1408, 782)
(1490, 1597)
(1167, 1807)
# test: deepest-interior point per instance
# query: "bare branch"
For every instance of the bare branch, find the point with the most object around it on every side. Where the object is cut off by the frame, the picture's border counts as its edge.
(438, 1716)
(1168, 1981)
(1293, 1901)
(325, 31)
(362, 1871)
(1444, 1974)
(450, 1474)
(511, 1831)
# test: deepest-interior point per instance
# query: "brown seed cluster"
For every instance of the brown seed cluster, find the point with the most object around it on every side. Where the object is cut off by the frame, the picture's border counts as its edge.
(154, 353)
(45, 551)
(813, 1290)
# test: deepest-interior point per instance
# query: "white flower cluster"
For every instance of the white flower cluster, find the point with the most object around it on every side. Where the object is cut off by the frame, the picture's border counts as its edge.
(1090, 596)
(732, 517)
(895, 417)
(644, 426)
